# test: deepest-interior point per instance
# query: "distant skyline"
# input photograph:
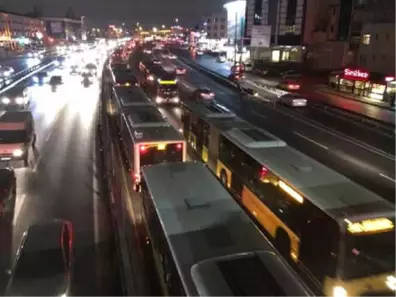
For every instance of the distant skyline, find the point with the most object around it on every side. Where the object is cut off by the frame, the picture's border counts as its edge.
(103, 12)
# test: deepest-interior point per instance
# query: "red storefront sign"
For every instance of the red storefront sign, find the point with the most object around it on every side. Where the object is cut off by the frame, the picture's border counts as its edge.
(356, 74)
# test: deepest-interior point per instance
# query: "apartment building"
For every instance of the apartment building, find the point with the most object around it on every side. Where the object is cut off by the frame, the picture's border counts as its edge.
(215, 25)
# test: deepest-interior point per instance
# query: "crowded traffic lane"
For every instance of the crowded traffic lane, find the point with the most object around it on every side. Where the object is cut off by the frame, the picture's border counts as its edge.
(61, 182)
(369, 167)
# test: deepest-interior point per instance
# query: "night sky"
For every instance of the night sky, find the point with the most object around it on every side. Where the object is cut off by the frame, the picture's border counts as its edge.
(103, 12)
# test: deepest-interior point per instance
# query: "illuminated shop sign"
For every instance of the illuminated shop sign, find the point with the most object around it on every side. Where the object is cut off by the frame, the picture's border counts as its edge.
(389, 78)
(356, 74)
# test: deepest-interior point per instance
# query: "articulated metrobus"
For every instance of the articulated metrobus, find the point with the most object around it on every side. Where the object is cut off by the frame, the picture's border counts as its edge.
(339, 235)
(122, 98)
(149, 139)
(202, 243)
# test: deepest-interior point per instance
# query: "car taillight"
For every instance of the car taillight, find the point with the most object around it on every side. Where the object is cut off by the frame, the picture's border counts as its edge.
(179, 146)
(143, 148)
(263, 172)
(293, 86)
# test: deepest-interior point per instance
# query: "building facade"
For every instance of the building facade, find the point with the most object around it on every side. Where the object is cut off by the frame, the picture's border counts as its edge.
(18, 30)
(65, 29)
(377, 48)
(328, 44)
(215, 25)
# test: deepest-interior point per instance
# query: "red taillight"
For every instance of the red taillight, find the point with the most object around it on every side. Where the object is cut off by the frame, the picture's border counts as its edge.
(293, 87)
(179, 146)
(143, 148)
(263, 172)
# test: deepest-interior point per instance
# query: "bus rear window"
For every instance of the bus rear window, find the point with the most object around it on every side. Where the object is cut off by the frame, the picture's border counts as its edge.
(156, 154)
(13, 136)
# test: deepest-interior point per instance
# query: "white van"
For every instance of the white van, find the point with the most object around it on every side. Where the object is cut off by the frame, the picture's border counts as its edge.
(17, 136)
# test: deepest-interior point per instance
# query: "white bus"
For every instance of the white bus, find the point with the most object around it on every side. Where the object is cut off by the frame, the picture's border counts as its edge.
(123, 98)
(202, 243)
(149, 139)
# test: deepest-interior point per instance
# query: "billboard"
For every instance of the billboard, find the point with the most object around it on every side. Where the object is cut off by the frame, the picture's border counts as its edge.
(261, 36)
(56, 27)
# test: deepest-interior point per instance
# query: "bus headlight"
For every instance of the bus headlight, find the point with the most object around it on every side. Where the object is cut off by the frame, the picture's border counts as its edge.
(17, 153)
(5, 100)
(20, 101)
(339, 291)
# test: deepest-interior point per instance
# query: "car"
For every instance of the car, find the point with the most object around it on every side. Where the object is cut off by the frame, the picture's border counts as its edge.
(6, 71)
(221, 58)
(40, 77)
(291, 74)
(56, 80)
(74, 69)
(180, 71)
(7, 192)
(15, 98)
(248, 67)
(91, 67)
(203, 94)
(292, 100)
(43, 264)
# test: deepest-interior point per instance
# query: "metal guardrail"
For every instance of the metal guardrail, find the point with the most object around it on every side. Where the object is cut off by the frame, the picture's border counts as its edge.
(353, 116)
(5, 82)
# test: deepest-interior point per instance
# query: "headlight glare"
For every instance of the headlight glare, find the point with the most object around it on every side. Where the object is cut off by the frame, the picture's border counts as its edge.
(17, 153)
(5, 100)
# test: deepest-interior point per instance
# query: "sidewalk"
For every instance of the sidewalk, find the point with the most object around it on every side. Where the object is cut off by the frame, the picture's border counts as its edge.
(363, 106)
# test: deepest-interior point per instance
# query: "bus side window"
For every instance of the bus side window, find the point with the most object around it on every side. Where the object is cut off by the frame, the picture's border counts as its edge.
(319, 242)
(226, 153)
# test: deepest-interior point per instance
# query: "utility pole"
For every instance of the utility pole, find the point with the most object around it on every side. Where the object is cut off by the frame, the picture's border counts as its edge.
(235, 37)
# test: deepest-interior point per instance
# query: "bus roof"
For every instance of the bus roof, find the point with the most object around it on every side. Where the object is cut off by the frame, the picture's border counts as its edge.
(332, 192)
(200, 217)
(235, 128)
(131, 96)
(147, 124)
(247, 274)
(145, 116)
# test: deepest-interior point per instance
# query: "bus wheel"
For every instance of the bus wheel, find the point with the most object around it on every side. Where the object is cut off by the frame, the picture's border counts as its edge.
(223, 177)
(282, 243)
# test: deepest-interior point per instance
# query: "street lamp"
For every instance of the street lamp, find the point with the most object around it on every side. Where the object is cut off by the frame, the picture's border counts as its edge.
(155, 29)
(140, 28)
(163, 26)
(176, 20)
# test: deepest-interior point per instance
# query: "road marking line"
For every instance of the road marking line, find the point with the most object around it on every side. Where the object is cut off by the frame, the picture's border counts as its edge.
(311, 140)
(94, 196)
(18, 207)
(387, 177)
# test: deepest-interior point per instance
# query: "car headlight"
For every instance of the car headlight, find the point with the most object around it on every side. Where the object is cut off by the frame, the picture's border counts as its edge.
(339, 291)
(5, 100)
(7, 73)
(20, 100)
(17, 153)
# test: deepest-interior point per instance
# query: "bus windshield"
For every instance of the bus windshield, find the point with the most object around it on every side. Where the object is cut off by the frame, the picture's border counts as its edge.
(12, 136)
(369, 254)
(153, 154)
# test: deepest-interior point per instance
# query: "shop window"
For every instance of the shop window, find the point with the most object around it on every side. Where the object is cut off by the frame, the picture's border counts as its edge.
(366, 39)
(346, 85)
(285, 56)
